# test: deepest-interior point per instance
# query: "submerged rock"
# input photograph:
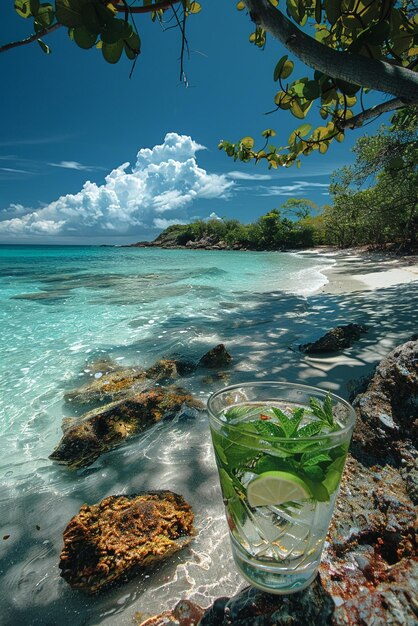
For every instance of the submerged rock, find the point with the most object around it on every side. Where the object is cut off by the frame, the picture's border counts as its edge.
(100, 430)
(217, 357)
(336, 339)
(111, 386)
(113, 382)
(121, 535)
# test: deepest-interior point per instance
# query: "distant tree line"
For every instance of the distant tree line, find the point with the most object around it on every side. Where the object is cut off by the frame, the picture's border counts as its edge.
(375, 202)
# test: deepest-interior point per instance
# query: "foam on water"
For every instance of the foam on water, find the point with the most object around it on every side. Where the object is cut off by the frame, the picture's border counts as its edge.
(62, 308)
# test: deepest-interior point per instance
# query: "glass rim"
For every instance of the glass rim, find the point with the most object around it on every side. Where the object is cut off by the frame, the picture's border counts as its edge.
(345, 429)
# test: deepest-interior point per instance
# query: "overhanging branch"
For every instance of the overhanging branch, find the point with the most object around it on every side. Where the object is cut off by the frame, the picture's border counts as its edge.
(34, 37)
(368, 114)
(352, 68)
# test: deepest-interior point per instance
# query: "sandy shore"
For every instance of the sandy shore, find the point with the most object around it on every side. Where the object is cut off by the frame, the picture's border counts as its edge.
(377, 291)
(361, 271)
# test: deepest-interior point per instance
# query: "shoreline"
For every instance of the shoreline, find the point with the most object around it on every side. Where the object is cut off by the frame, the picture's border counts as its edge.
(358, 270)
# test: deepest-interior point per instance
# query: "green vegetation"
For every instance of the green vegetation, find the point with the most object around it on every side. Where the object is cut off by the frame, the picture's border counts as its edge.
(387, 209)
(375, 202)
(269, 232)
(353, 46)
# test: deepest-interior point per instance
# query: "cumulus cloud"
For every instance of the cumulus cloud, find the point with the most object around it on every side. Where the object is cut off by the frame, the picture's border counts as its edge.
(154, 192)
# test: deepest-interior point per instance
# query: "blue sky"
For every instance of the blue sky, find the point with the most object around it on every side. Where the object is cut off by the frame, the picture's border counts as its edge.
(71, 123)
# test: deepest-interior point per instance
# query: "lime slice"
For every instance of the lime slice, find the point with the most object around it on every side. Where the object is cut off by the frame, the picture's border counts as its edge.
(276, 488)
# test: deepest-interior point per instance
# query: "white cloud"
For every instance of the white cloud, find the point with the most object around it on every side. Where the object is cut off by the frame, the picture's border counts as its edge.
(74, 165)
(297, 188)
(13, 170)
(248, 176)
(165, 179)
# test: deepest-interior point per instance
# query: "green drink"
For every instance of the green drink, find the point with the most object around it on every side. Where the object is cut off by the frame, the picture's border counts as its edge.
(280, 450)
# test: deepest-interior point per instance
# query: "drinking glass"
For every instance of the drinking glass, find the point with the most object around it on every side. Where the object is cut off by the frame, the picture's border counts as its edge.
(280, 449)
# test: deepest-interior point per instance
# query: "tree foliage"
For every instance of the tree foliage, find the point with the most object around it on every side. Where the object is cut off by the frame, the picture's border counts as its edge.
(353, 46)
(271, 231)
(385, 210)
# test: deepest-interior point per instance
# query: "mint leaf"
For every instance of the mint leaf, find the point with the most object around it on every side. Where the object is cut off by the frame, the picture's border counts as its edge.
(289, 424)
(269, 429)
(315, 460)
(236, 412)
(314, 473)
(322, 410)
(230, 452)
(271, 463)
(310, 430)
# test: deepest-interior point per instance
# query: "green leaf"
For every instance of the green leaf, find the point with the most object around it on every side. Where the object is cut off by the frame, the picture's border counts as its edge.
(45, 15)
(269, 429)
(309, 459)
(318, 11)
(310, 430)
(333, 10)
(132, 46)
(84, 38)
(303, 130)
(311, 90)
(22, 8)
(112, 51)
(333, 474)
(319, 491)
(44, 47)
(284, 68)
(247, 142)
(237, 412)
(314, 473)
(195, 7)
(91, 19)
(34, 7)
(68, 13)
(348, 89)
(115, 30)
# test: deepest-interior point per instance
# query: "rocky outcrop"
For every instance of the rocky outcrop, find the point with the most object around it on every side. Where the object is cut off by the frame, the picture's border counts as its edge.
(100, 430)
(121, 535)
(387, 411)
(338, 338)
(113, 382)
(369, 570)
(217, 357)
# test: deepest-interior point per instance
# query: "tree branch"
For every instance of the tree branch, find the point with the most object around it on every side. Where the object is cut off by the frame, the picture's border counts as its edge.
(352, 68)
(158, 6)
(121, 8)
(358, 120)
(34, 37)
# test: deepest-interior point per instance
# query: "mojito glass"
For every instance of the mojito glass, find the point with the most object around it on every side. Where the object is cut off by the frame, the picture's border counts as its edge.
(280, 449)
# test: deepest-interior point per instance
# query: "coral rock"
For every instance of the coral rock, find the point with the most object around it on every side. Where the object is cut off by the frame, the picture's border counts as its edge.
(98, 431)
(121, 535)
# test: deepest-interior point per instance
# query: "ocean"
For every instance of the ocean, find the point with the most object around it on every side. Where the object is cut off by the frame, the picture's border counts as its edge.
(61, 309)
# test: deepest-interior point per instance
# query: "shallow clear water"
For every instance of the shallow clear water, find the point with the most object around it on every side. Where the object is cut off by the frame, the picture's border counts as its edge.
(60, 309)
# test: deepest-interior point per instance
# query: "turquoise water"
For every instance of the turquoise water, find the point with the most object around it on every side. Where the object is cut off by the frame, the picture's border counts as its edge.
(60, 309)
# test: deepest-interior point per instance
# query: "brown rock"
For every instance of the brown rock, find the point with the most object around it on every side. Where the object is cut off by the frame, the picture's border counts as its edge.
(111, 386)
(116, 382)
(387, 410)
(217, 357)
(337, 339)
(121, 535)
(98, 431)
